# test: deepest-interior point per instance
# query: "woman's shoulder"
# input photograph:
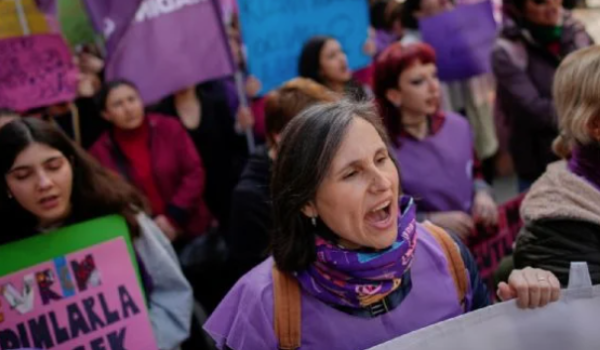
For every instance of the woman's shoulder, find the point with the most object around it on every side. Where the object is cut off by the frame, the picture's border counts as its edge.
(244, 319)
(160, 120)
(455, 120)
(256, 286)
(454, 117)
(101, 146)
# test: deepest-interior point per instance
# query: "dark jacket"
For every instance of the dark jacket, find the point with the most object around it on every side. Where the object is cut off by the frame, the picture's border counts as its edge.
(178, 171)
(251, 220)
(525, 71)
(562, 224)
(223, 151)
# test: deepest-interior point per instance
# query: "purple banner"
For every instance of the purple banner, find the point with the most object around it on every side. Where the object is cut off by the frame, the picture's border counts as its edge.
(463, 40)
(163, 46)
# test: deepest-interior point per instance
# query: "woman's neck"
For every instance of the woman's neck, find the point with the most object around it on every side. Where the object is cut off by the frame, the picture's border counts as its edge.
(415, 124)
(189, 108)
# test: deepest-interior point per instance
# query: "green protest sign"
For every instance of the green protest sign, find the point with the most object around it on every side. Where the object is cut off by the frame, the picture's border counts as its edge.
(75, 288)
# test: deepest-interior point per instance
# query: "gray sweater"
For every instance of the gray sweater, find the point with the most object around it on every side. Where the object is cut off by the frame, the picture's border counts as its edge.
(171, 301)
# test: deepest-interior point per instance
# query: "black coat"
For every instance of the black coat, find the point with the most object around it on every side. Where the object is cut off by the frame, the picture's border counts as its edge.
(562, 224)
(223, 152)
(251, 214)
(553, 244)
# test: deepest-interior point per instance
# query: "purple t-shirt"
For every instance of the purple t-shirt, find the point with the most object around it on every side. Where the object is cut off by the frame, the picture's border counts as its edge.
(438, 170)
(244, 319)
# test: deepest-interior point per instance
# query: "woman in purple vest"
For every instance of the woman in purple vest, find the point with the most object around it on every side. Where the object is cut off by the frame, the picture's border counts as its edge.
(434, 148)
(347, 239)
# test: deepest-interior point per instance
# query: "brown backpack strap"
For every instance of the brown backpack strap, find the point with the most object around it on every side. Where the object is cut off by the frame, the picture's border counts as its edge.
(287, 310)
(456, 265)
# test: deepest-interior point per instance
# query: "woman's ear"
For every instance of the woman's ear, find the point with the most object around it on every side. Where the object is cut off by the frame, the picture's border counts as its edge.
(394, 96)
(310, 210)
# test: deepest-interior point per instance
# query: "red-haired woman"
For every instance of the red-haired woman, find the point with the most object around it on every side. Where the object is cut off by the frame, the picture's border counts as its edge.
(435, 149)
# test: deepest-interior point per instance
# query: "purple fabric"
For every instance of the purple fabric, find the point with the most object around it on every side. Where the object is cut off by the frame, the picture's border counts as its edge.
(162, 46)
(233, 100)
(383, 39)
(438, 170)
(244, 319)
(357, 278)
(112, 18)
(466, 53)
(585, 162)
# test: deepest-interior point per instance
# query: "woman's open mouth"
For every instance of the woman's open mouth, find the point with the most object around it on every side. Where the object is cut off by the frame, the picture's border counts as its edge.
(380, 217)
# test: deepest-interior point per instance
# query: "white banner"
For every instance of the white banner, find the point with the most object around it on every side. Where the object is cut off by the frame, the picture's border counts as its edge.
(571, 323)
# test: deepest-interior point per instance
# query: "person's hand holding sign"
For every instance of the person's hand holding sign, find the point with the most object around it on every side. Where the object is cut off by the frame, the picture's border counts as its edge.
(531, 287)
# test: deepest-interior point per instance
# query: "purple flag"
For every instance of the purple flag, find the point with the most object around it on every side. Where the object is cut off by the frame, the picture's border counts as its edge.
(112, 18)
(163, 46)
(463, 40)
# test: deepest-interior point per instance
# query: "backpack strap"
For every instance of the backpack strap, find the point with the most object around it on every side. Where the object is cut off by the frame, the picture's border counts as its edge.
(287, 310)
(456, 265)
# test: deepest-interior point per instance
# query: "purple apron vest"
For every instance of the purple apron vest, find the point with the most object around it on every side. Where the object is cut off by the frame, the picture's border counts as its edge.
(438, 171)
(244, 319)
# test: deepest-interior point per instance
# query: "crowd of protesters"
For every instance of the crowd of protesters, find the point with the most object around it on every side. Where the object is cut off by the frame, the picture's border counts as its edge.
(356, 191)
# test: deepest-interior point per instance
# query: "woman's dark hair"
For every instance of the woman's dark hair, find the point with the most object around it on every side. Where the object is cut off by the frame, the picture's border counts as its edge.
(308, 147)
(102, 97)
(384, 13)
(409, 20)
(310, 58)
(96, 191)
(378, 14)
(388, 68)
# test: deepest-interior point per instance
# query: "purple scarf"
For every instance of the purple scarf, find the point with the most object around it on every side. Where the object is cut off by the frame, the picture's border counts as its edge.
(358, 279)
(585, 162)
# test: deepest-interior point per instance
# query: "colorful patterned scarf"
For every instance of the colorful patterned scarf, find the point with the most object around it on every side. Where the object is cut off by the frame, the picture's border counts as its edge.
(358, 279)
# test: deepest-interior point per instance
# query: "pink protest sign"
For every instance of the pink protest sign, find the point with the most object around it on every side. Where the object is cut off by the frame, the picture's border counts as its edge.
(36, 71)
(89, 299)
